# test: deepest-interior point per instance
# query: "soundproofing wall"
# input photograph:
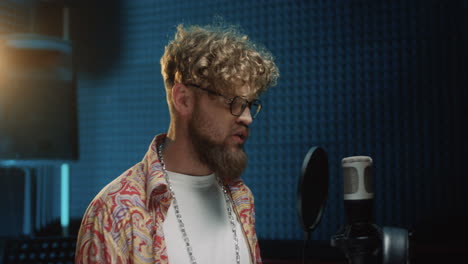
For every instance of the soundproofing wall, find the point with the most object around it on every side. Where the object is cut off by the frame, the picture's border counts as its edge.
(386, 79)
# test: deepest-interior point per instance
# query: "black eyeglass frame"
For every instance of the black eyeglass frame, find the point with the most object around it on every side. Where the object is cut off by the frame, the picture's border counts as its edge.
(231, 101)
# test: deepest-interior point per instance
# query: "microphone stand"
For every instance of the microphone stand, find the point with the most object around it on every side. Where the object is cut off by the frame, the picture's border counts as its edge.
(360, 242)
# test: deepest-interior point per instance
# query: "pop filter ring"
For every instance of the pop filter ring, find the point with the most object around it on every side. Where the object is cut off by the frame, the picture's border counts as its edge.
(312, 189)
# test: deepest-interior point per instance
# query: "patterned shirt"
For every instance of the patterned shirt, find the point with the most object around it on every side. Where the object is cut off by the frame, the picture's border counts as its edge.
(123, 223)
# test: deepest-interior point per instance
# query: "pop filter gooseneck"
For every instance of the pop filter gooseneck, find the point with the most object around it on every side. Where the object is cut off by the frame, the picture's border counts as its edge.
(312, 189)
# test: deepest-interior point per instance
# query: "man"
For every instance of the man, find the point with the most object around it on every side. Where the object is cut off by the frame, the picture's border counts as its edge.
(185, 201)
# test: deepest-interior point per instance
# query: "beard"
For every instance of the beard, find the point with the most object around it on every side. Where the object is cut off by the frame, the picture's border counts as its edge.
(228, 162)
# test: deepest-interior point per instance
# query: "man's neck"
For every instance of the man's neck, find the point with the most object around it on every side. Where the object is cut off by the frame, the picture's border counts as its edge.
(180, 157)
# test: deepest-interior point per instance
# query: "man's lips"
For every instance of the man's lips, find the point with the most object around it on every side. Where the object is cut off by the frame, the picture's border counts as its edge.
(241, 135)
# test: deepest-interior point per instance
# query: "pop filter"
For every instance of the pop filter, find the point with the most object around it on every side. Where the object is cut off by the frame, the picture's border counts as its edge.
(312, 188)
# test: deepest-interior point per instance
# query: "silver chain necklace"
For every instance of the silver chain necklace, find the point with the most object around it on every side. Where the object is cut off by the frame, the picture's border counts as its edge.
(179, 216)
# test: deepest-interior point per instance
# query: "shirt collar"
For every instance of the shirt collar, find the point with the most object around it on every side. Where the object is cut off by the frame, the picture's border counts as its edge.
(156, 185)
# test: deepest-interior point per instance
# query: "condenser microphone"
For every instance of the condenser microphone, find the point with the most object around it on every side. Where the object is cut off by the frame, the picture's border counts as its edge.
(358, 189)
(361, 239)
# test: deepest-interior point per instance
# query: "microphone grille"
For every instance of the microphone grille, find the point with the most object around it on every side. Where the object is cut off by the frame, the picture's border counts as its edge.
(351, 180)
(368, 180)
(358, 178)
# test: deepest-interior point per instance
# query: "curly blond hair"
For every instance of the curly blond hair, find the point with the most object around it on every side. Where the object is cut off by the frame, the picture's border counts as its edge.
(219, 58)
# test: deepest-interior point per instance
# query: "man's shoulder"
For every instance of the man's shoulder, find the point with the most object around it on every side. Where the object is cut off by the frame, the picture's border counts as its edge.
(125, 192)
(116, 218)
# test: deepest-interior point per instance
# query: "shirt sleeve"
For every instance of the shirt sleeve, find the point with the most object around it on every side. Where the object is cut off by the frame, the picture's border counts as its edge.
(97, 241)
(114, 232)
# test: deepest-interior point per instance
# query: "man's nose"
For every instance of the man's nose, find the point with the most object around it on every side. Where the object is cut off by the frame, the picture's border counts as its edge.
(246, 117)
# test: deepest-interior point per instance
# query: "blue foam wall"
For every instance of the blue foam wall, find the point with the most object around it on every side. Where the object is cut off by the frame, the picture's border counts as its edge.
(377, 78)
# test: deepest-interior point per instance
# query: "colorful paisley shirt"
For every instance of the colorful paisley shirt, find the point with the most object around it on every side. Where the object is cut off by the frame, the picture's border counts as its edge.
(123, 223)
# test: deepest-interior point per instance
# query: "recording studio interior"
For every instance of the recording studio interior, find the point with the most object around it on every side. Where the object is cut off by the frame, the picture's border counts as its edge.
(357, 155)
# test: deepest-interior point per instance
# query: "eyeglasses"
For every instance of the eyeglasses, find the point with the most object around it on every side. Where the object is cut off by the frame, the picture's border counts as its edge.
(237, 104)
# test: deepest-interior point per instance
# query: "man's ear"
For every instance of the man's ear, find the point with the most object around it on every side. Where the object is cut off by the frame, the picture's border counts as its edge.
(182, 97)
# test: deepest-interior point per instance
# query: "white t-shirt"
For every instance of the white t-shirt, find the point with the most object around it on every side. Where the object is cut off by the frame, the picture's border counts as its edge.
(203, 209)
